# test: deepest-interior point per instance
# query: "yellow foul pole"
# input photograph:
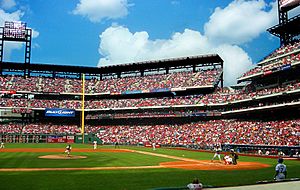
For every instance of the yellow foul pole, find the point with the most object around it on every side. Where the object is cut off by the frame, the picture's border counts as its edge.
(82, 107)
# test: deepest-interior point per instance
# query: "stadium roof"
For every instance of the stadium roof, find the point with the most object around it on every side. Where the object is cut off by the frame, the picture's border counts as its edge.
(203, 60)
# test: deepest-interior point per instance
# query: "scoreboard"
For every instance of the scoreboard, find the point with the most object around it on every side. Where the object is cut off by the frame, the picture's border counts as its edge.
(288, 4)
(14, 30)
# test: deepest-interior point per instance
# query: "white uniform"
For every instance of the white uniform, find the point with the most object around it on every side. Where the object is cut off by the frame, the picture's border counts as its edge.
(192, 186)
(217, 154)
(2, 145)
(281, 169)
(95, 145)
(228, 160)
(153, 146)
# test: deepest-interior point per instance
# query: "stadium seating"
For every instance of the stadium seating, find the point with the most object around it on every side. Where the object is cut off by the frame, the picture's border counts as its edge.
(280, 133)
(224, 95)
(203, 134)
(281, 58)
(115, 85)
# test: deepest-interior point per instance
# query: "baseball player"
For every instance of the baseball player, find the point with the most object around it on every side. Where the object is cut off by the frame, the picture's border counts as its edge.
(153, 146)
(2, 145)
(117, 143)
(280, 170)
(227, 160)
(95, 145)
(234, 157)
(217, 153)
(68, 150)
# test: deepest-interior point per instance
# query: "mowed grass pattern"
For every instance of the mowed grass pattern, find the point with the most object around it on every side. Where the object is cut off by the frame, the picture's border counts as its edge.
(122, 179)
(94, 159)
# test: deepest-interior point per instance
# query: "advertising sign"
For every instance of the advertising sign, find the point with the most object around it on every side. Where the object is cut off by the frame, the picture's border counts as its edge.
(57, 112)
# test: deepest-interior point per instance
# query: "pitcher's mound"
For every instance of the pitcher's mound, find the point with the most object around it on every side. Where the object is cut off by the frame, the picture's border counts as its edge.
(62, 157)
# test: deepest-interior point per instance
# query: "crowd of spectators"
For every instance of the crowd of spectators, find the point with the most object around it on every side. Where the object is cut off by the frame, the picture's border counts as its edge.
(285, 49)
(38, 128)
(285, 55)
(113, 85)
(151, 114)
(10, 128)
(205, 134)
(50, 129)
(219, 96)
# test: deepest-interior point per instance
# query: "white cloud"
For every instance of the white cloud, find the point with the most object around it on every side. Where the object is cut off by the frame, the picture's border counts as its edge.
(97, 10)
(10, 46)
(14, 16)
(240, 21)
(236, 62)
(7, 4)
(119, 45)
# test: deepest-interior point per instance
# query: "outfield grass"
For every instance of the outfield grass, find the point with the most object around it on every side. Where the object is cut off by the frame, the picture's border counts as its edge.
(123, 179)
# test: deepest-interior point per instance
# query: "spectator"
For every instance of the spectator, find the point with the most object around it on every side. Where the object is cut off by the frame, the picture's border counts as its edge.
(195, 185)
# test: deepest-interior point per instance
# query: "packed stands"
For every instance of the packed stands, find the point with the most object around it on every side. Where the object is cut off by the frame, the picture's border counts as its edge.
(50, 129)
(115, 85)
(218, 97)
(281, 59)
(206, 133)
(280, 133)
(10, 128)
(38, 128)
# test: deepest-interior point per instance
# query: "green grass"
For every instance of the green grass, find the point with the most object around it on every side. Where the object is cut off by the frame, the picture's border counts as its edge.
(123, 179)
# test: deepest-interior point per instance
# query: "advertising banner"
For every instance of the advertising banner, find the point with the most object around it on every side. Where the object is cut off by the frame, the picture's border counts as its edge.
(7, 92)
(132, 92)
(60, 139)
(286, 67)
(160, 90)
(57, 112)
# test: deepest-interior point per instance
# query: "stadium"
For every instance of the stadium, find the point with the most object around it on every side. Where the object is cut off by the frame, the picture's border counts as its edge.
(150, 124)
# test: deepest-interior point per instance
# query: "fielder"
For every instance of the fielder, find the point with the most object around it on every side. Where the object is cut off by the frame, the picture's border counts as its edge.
(153, 146)
(280, 170)
(95, 145)
(217, 153)
(2, 145)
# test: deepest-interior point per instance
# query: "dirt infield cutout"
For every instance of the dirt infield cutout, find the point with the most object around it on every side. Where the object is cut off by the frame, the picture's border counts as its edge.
(181, 163)
(62, 157)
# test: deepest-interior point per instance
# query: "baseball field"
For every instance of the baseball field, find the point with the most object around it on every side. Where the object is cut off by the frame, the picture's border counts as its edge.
(46, 166)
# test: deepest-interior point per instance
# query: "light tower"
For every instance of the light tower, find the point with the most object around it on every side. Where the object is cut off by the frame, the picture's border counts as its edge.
(16, 31)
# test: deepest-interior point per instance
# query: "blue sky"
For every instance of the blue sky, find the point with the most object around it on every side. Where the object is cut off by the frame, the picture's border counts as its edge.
(108, 32)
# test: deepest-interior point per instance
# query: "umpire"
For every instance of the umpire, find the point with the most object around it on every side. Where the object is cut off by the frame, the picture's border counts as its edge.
(234, 157)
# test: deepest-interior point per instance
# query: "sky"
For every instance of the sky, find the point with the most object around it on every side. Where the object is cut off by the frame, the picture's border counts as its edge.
(110, 32)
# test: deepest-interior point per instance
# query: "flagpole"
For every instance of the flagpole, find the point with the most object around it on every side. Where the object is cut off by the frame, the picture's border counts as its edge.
(82, 107)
